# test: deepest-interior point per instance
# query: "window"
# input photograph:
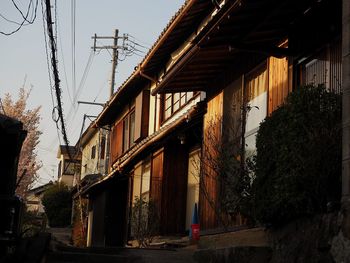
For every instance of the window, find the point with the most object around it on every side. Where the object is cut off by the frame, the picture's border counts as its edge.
(93, 152)
(141, 180)
(128, 130)
(323, 68)
(69, 167)
(59, 169)
(132, 128)
(146, 177)
(126, 137)
(103, 148)
(172, 102)
(256, 93)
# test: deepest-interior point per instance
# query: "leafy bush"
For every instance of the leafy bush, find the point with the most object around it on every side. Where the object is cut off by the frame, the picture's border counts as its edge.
(57, 201)
(144, 221)
(298, 162)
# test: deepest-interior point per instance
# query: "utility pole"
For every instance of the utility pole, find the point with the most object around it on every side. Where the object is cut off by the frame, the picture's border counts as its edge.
(114, 62)
(115, 52)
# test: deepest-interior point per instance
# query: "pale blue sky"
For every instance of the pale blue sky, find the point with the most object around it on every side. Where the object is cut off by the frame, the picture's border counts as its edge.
(22, 56)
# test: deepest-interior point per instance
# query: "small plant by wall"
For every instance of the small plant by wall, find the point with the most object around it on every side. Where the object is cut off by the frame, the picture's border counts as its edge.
(144, 221)
(79, 228)
(298, 162)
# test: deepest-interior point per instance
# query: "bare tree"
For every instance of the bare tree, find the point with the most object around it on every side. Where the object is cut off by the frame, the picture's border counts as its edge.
(225, 178)
(28, 164)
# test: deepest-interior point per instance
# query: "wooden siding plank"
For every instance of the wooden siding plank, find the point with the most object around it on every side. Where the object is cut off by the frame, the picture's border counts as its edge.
(157, 180)
(117, 141)
(278, 82)
(173, 215)
(208, 184)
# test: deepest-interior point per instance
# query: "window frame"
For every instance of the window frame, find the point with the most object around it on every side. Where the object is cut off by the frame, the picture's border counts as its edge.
(128, 139)
(182, 100)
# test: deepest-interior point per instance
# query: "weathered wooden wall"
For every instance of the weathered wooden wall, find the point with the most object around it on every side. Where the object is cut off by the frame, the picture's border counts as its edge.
(157, 179)
(116, 141)
(208, 192)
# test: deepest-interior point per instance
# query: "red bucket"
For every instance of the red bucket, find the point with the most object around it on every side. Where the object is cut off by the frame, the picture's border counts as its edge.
(195, 231)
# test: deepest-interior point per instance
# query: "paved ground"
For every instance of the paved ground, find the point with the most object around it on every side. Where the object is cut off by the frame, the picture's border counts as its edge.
(61, 235)
(63, 252)
(121, 255)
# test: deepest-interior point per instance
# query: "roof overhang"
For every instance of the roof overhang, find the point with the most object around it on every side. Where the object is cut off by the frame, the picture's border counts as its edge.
(239, 29)
(179, 28)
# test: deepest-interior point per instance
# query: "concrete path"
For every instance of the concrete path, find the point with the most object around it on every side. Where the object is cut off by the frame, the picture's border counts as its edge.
(62, 235)
(116, 255)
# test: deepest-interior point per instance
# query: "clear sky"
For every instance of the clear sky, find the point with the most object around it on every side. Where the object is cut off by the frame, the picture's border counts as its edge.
(23, 58)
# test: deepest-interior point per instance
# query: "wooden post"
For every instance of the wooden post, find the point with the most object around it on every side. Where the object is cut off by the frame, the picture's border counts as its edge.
(346, 118)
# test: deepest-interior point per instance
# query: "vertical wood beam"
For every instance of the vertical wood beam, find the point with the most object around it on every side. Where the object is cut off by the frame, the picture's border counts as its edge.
(346, 118)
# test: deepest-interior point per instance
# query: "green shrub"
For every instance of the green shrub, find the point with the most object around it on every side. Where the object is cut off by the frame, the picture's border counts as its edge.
(57, 201)
(298, 162)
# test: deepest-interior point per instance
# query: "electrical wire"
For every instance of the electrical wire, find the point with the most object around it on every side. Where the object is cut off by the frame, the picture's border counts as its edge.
(55, 73)
(49, 73)
(11, 21)
(73, 15)
(100, 90)
(139, 41)
(72, 110)
(25, 17)
(62, 54)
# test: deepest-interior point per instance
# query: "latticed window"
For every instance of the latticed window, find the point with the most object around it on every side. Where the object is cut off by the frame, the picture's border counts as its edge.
(323, 68)
(128, 130)
(172, 102)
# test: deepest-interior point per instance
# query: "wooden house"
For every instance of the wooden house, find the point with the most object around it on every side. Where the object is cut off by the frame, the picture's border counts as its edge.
(211, 56)
(254, 53)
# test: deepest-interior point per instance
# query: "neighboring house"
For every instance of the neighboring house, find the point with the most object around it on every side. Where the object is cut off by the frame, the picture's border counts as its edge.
(210, 62)
(93, 151)
(68, 165)
(93, 148)
(34, 197)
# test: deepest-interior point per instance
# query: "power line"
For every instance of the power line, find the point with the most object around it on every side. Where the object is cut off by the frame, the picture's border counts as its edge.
(25, 17)
(58, 34)
(72, 110)
(50, 76)
(55, 73)
(73, 16)
(11, 21)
